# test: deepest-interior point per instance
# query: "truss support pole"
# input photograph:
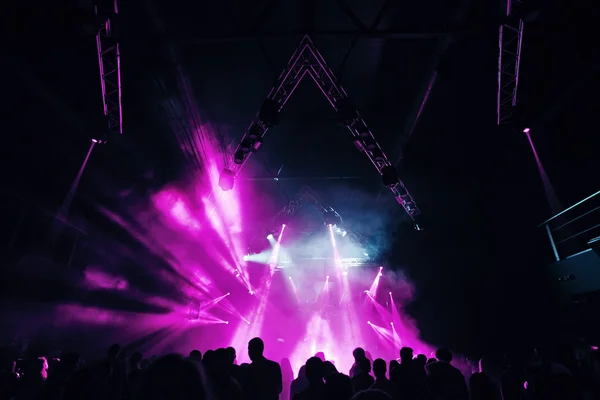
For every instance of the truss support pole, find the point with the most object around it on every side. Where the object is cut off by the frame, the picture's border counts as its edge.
(109, 62)
(510, 40)
(307, 60)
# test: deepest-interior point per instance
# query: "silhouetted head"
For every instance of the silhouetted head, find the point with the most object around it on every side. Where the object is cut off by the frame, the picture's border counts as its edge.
(443, 355)
(314, 370)
(406, 354)
(232, 354)
(379, 368)
(329, 369)
(208, 356)
(256, 347)
(196, 355)
(393, 364)
(320, 355)
(358, 353)
(421, 360)
(113, 351)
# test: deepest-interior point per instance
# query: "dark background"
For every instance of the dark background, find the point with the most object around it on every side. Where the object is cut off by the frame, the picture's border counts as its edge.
(479, 266)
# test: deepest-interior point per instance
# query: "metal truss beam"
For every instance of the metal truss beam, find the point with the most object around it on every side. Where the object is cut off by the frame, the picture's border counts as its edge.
(307, 61)
(109, 62)
(510, 40)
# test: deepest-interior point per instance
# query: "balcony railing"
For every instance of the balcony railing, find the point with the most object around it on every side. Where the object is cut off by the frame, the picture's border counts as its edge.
(574, 229)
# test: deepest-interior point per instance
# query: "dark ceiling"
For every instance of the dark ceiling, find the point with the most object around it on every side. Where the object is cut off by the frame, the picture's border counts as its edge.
(477, 185)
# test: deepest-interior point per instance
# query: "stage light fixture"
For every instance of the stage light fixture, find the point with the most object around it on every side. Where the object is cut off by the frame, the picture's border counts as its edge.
(345, 273)
(227, 179)
(245, 258)
(248, 322)
(251, 292)
(526, 130)
(391, 323)
(255, 132)
(270, 236)
(389, 175)
(327, 277)
(390, 293)
(227, 322)
(369, 322)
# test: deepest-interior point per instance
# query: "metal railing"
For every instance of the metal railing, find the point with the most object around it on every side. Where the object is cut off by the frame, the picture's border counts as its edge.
(575, 228)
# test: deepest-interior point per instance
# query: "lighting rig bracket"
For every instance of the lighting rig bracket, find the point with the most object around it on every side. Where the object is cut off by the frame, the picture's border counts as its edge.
(109, 62)
(307, 61)
(510, 41)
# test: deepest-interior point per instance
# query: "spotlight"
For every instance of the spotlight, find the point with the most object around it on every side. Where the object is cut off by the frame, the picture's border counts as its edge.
(226, 179)
(344, 233)
(237, 275)
(245, 258)
(345, 273)
(227, 322)
(526, 130)
(390, 293)
(391, 323)
(369, 322)
(327, 277)
(248, 322)
(366, 254)
(227, 294)
(251, 292)
(290, 277)
(270, 236)
(380, 268)
(283, 226)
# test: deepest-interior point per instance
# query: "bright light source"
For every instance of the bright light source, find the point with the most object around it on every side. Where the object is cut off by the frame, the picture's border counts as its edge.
(227, 294)
(227, 322)
(345, 272)
(245, 258)
(283, 226)
(344, 233)
(380, 268)
(327, 277)
(366, 254)
(526, 130)
(390, 293)
(248, 322)
(251, 292)
(369, 322)
(270, 236)
(391, 323)
(290, 277)
(237, 275)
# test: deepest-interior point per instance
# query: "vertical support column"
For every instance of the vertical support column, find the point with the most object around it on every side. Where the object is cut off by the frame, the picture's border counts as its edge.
(549, 232)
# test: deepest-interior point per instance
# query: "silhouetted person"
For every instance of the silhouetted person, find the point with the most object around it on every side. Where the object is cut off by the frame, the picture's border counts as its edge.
(300, 383)
(371, 394)
(382, 382)
(236, 371)
(358, 354)
(512, 380)
(264, 376)
(445, 381)
(173, 378)
(339, 387)
(134, 378)
(329, 369)
(287, 377)
(224, 387)
(405, 375)
(321, 356)
(314, 375)
(362, 380)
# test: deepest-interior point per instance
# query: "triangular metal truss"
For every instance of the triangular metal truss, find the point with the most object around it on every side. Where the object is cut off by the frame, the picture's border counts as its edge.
(307, 61)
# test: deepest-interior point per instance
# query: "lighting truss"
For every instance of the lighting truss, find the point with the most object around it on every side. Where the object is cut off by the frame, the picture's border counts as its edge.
(109, 61)
(307, 61)
(510, 40)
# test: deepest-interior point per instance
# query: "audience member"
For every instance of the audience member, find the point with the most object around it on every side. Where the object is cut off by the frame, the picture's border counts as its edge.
(264, 376)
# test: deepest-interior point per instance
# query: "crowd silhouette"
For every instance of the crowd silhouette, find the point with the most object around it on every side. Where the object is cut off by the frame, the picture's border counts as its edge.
(215, 375)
